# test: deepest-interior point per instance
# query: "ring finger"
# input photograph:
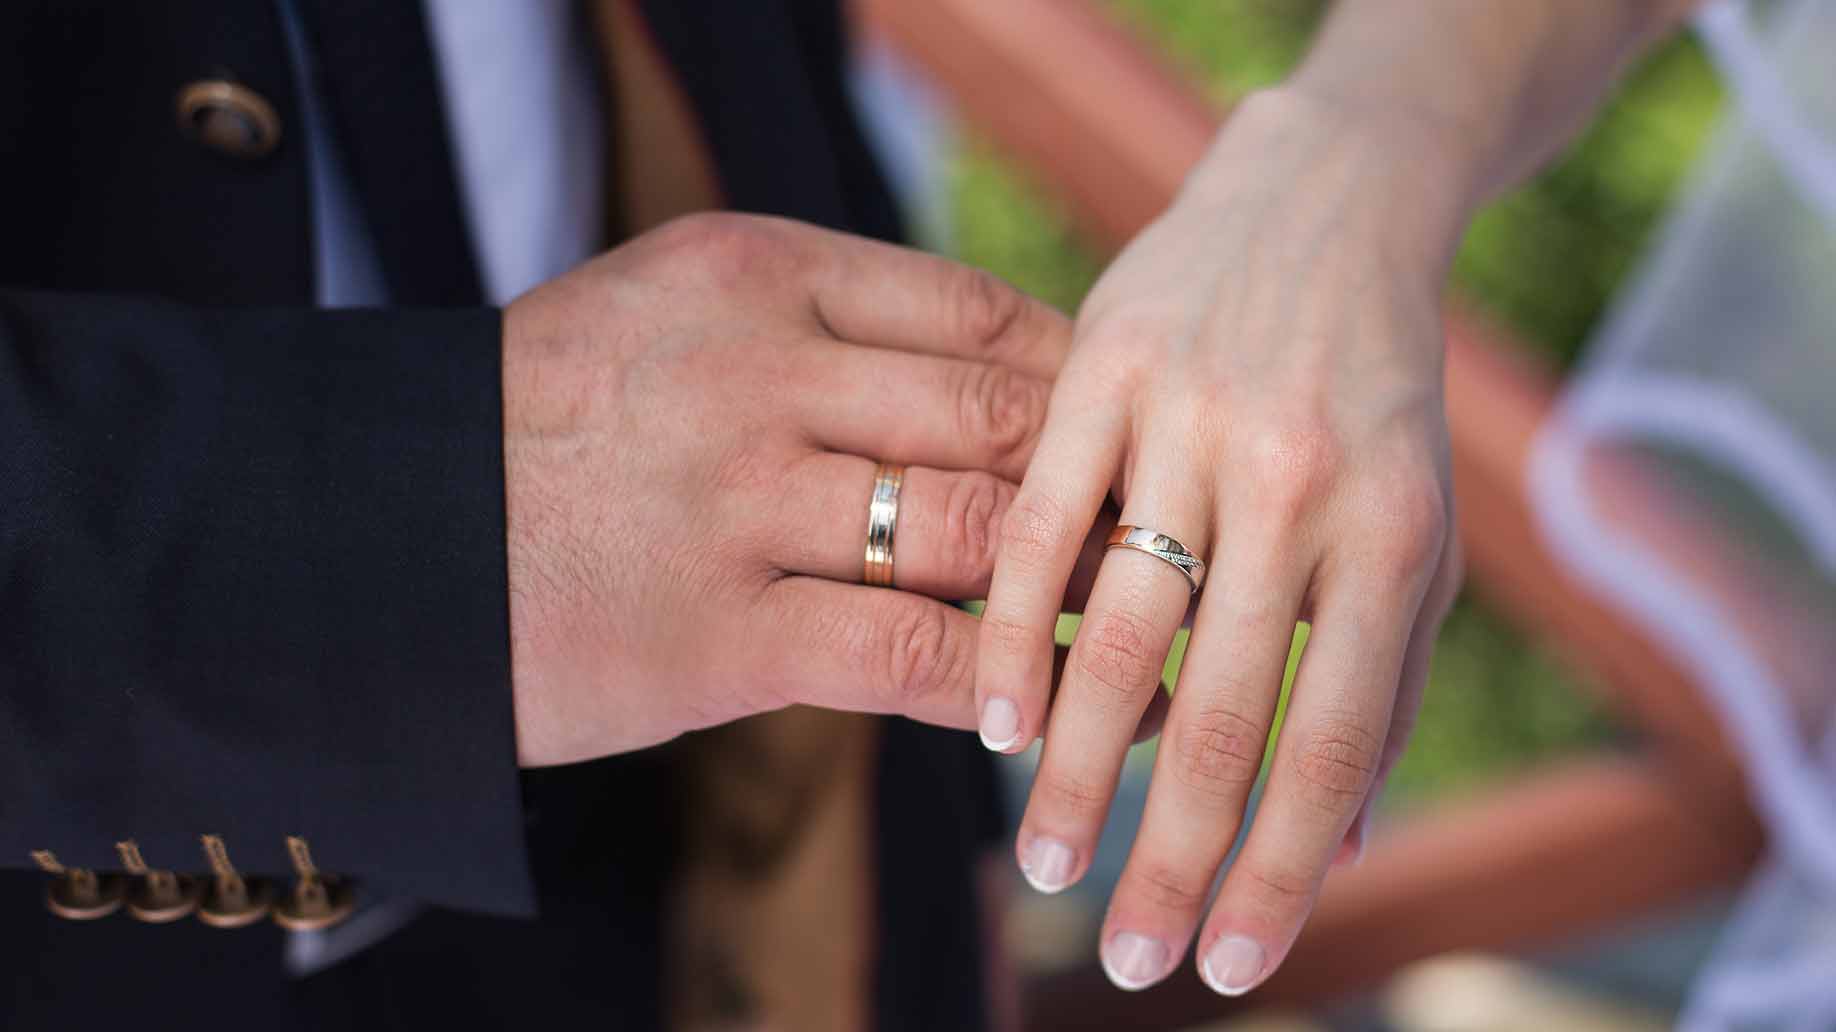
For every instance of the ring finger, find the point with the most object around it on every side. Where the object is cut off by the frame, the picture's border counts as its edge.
(944, 535)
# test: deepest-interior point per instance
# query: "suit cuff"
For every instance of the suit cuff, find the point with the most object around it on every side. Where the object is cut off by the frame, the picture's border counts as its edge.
(259, 590)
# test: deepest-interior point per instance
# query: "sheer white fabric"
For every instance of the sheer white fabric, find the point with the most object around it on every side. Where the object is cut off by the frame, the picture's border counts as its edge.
(1713, 382)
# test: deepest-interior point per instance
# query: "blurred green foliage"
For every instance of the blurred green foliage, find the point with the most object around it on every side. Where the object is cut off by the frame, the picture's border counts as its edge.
(1544, 260)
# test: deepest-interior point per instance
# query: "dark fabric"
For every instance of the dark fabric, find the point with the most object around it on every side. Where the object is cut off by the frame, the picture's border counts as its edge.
(765, 79)
(255, 586)
(98, 188)
(591, 961)
(251, 561)
(599, 834)
(376, 67)
(937, 815)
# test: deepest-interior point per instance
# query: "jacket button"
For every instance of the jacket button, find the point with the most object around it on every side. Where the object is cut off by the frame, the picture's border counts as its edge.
(230, 901)
(228, 118)
(77, 893)
(159, 896)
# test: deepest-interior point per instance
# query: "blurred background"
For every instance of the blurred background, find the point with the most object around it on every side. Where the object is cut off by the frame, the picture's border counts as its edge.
(1541, 265)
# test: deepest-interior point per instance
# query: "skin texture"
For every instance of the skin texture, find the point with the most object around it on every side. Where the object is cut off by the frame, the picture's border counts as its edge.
(686, 420)
(1259, 376)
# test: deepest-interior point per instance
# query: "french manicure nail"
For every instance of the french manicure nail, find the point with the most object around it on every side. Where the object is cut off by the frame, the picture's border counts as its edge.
(1232, 965)
(1134, 961)
(1047, 865)
(1000, 724)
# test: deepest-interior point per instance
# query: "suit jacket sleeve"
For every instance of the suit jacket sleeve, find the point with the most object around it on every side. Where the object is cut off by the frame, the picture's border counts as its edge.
(252, 583)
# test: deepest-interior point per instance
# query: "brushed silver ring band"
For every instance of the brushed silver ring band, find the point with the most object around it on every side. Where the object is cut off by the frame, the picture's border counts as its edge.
(1161, 547)
(882, 521)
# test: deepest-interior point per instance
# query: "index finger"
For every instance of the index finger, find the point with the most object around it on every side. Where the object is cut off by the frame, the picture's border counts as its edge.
(874, 293)
(1041, 536)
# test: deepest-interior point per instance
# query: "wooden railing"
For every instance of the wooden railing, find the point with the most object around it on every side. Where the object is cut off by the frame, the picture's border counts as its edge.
(1100, 119)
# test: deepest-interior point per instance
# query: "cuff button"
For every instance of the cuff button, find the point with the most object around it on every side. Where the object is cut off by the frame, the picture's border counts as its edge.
(157, 896)
(317, 901)
(230, 900)
(78, 893)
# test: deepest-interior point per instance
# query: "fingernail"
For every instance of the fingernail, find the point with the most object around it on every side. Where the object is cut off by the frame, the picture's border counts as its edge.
(1000, 724)
(1134, 961)
(1232, 965)
(1047, 865)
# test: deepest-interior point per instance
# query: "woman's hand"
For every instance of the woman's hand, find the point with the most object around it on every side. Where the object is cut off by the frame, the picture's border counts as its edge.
(691, 426)
(1259, 377)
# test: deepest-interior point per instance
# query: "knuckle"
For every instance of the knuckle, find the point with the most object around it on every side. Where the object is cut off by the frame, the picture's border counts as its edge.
(722, 244)
(1413, 514)
(1167, 887)
(693, 232)
(1335, 764)
(984, 308)
(1033, 530)
(1282, 887)
(1010, 636)
(1000, 408)
(922, 658)
(1219, 754)
(1291, 467)
(1095, 375)
(972, 523)
(1115, 653)
(1069, 797)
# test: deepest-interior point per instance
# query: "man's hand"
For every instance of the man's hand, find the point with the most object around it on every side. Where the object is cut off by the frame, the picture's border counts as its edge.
(691, 426)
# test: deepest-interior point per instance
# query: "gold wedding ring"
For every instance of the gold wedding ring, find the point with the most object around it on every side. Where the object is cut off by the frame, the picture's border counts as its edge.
(882, 519)
(1161, 547)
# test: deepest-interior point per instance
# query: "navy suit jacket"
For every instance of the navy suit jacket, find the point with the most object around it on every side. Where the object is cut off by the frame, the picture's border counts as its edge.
(252, 576)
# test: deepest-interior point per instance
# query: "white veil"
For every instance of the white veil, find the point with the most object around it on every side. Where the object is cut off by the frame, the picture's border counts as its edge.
(1715, 379)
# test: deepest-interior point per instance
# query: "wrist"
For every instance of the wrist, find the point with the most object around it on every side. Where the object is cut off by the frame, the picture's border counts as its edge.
(535, 510)
(1405, 184)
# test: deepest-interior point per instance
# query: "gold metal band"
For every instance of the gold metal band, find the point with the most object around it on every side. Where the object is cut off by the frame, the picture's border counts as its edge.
(882, 520)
